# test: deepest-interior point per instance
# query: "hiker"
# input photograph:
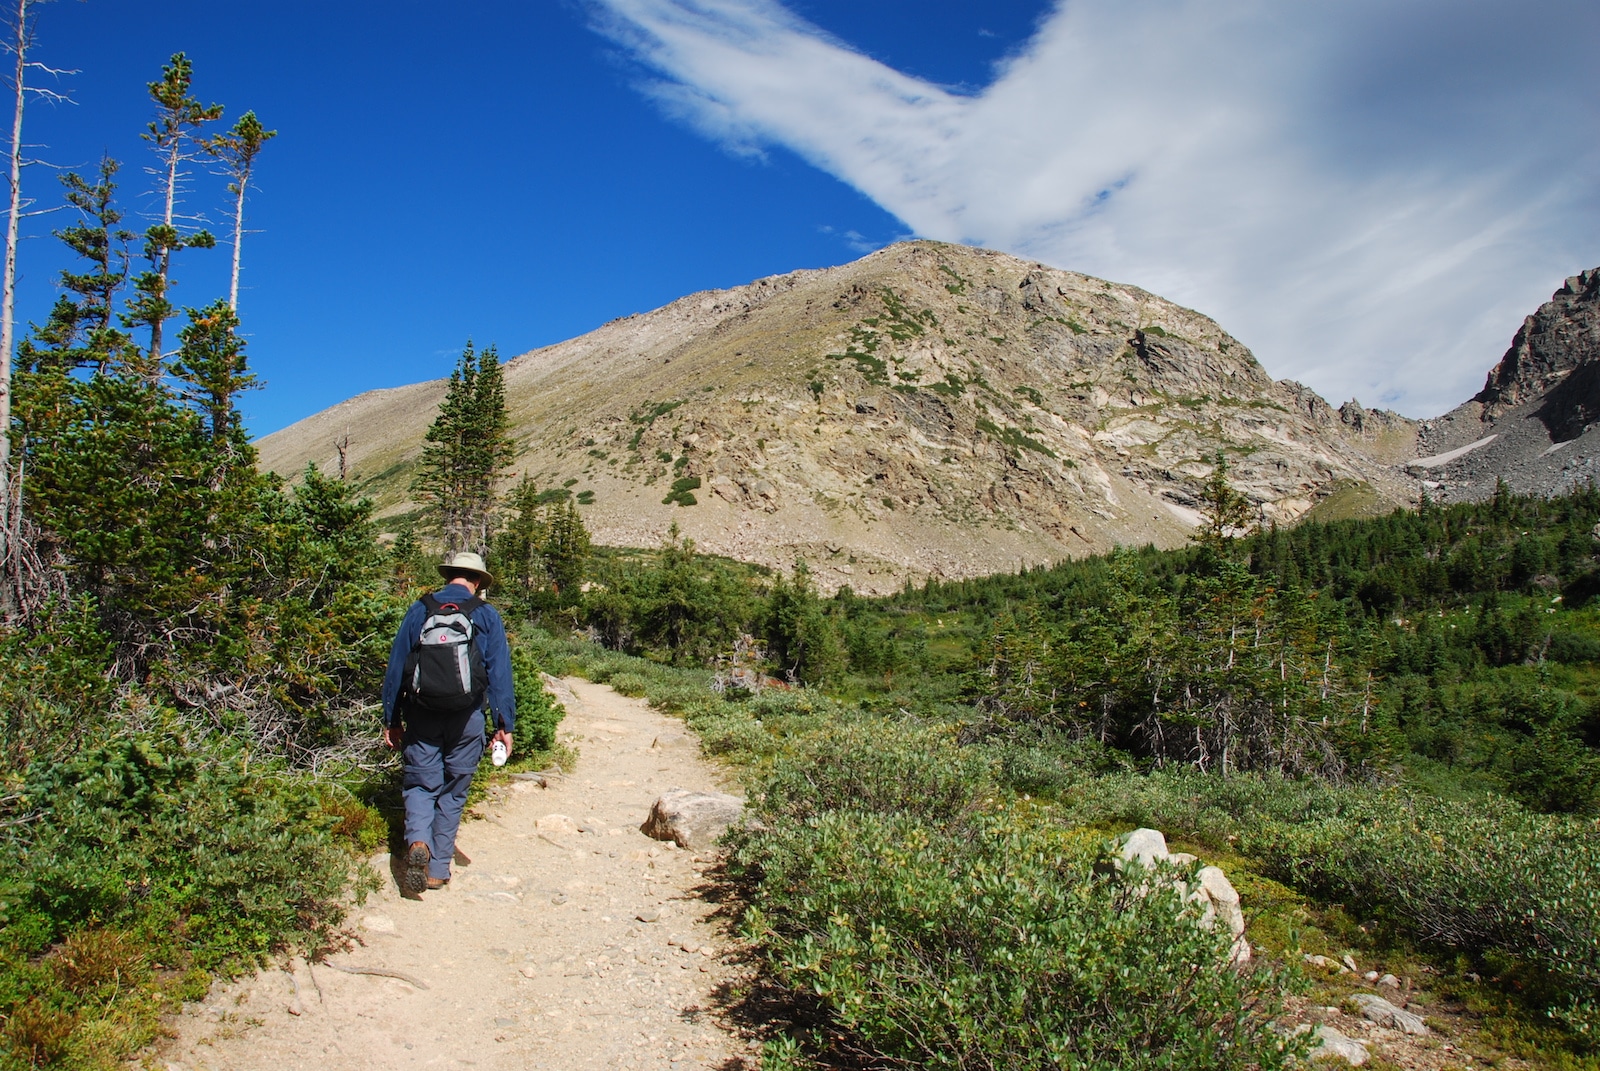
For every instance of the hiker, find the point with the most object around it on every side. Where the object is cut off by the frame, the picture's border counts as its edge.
(449, 662)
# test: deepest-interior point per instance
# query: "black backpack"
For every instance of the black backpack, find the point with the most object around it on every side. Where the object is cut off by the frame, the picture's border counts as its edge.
(444, 673)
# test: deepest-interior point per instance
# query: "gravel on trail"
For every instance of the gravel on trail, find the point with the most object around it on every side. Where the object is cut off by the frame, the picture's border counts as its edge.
(571, 940)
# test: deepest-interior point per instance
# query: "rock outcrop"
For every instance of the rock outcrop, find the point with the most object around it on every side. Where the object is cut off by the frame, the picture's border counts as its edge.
(930, 410)
(1534, 424)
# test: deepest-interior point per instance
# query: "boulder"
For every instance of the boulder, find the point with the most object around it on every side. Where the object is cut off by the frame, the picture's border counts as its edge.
(1380, 1011)
(1332, 1043)
(1145, 845)
(691, 819)
(1220, 902)
(1213, 892)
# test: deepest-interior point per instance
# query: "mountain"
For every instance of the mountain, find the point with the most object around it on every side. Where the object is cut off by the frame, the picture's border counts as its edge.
(928, 410)
(1534, 423)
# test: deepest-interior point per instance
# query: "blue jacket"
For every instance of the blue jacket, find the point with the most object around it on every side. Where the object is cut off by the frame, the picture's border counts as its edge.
(488, 636)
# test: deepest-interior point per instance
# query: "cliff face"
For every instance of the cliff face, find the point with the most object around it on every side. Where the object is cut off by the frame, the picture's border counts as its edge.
(1532, 424)
(927, 410)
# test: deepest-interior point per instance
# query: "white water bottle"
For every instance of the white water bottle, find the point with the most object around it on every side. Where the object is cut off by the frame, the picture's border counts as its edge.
(497, 754)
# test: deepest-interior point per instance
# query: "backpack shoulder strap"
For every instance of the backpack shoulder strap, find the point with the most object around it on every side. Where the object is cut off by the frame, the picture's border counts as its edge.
(469, 606)
(430, 603)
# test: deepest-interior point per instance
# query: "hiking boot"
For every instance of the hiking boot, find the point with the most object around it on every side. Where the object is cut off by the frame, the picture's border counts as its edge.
(417, 858)
(434, 884)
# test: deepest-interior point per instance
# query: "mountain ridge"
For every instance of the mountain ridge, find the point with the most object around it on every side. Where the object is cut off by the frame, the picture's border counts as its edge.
(927, 410)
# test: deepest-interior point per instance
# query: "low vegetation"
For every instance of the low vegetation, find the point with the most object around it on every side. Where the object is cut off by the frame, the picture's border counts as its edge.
(934, 799)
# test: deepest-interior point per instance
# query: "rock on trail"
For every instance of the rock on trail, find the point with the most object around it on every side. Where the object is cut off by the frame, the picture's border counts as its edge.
(536, 956)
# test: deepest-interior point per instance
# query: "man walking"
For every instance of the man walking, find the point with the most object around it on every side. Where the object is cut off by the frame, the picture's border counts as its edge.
(449, 663)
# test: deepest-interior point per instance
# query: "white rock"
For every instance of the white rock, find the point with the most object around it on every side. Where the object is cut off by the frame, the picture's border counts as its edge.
(1222, 903)
(691, 819)
(1333, 1043)
(1380, 1011)
(1348, 961)
(1145, 845)
(378, 924)
(556, 825)
(1389, 980)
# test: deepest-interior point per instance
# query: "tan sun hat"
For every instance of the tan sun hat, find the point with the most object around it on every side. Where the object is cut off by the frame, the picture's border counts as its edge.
(464, 561)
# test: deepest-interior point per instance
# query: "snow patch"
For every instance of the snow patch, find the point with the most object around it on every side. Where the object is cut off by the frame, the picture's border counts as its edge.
(1450, 455)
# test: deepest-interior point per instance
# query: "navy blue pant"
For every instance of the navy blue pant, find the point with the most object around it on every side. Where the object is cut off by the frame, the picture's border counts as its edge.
(440, 758)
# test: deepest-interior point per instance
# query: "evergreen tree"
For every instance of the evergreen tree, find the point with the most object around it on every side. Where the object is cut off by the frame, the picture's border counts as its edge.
(178, 117)
(1224, 511)
(468, 449)
(564, 551)
(801, 639)
(517, 559)
(238, 149)
(211, 366)
(409, 568)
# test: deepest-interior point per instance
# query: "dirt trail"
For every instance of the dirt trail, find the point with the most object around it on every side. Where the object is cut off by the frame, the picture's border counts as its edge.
(535, 956)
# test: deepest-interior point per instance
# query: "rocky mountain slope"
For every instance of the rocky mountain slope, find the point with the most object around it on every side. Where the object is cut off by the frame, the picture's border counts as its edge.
(927, 410)
(1534, 424)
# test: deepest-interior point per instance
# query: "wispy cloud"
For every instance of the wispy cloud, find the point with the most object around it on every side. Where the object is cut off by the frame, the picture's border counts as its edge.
(1371, 194)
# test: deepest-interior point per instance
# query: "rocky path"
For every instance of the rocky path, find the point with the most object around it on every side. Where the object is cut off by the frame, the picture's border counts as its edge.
(570, 941)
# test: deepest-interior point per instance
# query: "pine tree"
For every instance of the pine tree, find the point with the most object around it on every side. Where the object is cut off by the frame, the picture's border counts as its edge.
(212, 367)
(178, 117)
(238, 149)
(1225, 512)
(468, 449)
(564, 551)
(517, 557)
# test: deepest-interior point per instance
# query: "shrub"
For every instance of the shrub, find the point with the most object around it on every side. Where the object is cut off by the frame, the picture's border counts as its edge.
(875, 767)
(1479, 877)
(992, 943)
(184, 853)
(537, 713)
(630, 684)
(192, 840)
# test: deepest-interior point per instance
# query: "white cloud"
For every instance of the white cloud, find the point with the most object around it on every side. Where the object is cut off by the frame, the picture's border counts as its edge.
(1371, 194)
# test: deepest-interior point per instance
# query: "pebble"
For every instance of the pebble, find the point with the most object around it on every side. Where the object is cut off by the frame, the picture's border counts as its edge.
(648, 916)
(378, 924)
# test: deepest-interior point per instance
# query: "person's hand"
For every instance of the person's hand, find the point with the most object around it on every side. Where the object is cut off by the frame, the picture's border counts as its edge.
(392, 737)
(505, 738)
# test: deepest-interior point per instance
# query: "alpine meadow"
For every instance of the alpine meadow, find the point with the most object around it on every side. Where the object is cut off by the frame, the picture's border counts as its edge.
(1098, 701)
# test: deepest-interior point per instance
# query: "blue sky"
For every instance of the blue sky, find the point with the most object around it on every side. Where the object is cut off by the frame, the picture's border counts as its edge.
(1370, 194)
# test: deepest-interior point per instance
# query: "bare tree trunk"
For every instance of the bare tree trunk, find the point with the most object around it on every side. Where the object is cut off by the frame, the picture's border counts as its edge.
(164, 254)
(8, 297)
(233, 286)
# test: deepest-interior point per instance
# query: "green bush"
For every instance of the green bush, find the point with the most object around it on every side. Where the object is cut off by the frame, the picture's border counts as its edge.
(876, 767)
(140, 852)
(992, 943)
(537, 713)
(1479, 877)
(630, 684)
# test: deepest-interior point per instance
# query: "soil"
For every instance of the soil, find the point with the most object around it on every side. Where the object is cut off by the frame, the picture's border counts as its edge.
(536, 955)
